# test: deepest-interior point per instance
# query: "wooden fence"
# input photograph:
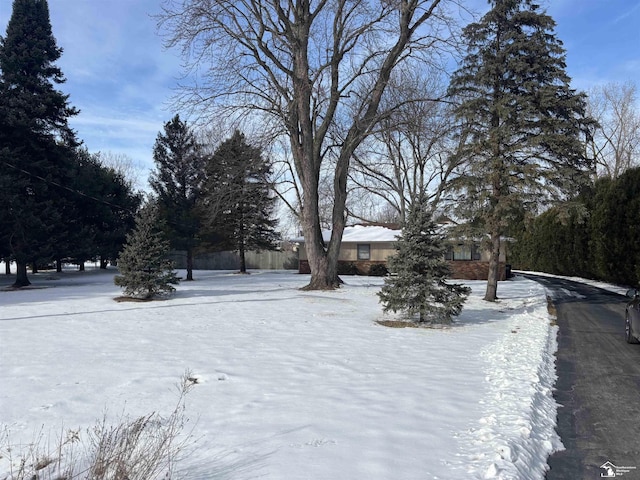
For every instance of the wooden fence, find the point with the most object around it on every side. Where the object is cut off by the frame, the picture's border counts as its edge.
(264, 260)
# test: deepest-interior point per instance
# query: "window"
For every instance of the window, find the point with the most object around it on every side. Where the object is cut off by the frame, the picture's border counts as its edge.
(364, 251)
(462, 252)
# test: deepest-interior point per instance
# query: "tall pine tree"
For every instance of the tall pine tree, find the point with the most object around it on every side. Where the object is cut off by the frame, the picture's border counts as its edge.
(36, 142)
(145, 270)
(419, 284)
(178, 182)
(521, 122)
(238, 204)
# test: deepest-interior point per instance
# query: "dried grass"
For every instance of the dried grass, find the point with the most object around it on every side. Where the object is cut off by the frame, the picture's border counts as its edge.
(142, 448)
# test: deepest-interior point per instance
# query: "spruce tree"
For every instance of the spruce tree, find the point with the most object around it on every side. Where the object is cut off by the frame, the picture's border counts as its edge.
(114, 222)
(178, 182)
(419, 284)
(36, 143)
(145, 270)
(238, 203)
(105, 206)
(522, 125)
(614, 228)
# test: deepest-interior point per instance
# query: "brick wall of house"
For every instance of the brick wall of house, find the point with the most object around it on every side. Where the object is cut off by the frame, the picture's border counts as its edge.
(362, 265)
(461, 270)
(474, 270)
(303, 266)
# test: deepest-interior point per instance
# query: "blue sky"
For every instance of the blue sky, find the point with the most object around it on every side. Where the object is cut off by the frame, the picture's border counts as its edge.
(122, 79)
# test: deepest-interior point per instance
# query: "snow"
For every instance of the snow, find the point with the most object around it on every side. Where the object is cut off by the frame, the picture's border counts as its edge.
(362, 233)
(290, 384)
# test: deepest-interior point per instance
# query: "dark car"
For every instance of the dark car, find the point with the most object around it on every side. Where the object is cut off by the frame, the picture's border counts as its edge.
(632, 317)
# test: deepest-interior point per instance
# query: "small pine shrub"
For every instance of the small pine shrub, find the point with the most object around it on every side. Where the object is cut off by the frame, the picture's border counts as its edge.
(145, 270)
(291, 263)
(378, 270)
(420, 285)
(347, 268)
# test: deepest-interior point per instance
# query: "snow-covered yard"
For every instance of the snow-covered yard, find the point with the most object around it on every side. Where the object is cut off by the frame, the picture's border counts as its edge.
(292, 384)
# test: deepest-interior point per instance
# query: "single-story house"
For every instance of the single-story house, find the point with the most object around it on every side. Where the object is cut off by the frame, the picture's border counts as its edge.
(365, 245)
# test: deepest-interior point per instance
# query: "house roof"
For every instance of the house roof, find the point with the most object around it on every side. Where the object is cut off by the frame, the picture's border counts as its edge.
(380, 233)
(362, 233)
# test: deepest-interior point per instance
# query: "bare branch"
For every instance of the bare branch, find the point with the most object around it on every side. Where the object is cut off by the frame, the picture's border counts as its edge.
(317, 71)
(616, 142)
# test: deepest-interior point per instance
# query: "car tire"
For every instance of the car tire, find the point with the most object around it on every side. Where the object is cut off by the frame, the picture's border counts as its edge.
(628, 331)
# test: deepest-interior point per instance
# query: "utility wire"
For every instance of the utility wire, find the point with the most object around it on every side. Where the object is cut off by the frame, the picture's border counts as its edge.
(78, 192)
(64, 187)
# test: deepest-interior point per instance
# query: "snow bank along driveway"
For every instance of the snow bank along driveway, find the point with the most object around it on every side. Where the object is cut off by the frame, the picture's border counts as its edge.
(294, 385)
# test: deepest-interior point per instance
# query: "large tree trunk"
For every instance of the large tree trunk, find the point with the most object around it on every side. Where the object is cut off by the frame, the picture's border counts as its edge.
(324, 273)
(323, 262)
(58, 265)
(494, 269)
(22, 280)
(189, 264)
(323, 259)
(7, 266)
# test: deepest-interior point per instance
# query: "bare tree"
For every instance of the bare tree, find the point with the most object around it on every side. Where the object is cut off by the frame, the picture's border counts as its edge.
(122, 163)
(615, 145)
(409, 157)
(315, 69)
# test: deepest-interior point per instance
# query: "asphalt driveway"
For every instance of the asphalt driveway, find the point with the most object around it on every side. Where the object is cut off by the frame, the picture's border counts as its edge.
(598, 386)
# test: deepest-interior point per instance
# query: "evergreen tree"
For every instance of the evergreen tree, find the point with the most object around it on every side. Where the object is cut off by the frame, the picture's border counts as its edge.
(237, 203)
(615, 229)
(117, 213)
(36, 143)
(144, 268)
(104, 210)
(520, 121)
(178, 182)
(419, 285)
(557, 241)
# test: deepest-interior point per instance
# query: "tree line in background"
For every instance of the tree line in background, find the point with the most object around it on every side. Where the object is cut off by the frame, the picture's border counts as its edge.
(595, 237)
(213, 201)
(218, 201)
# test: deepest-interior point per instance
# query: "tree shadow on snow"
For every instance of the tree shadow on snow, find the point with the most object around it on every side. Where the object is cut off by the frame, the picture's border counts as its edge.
(226, 466)
(468, 317)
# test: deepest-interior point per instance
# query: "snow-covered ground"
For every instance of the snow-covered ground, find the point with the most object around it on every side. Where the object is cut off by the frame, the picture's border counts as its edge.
(292, 384)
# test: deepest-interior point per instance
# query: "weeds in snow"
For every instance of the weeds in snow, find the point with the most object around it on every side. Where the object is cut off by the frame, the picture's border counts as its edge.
(142, 448)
